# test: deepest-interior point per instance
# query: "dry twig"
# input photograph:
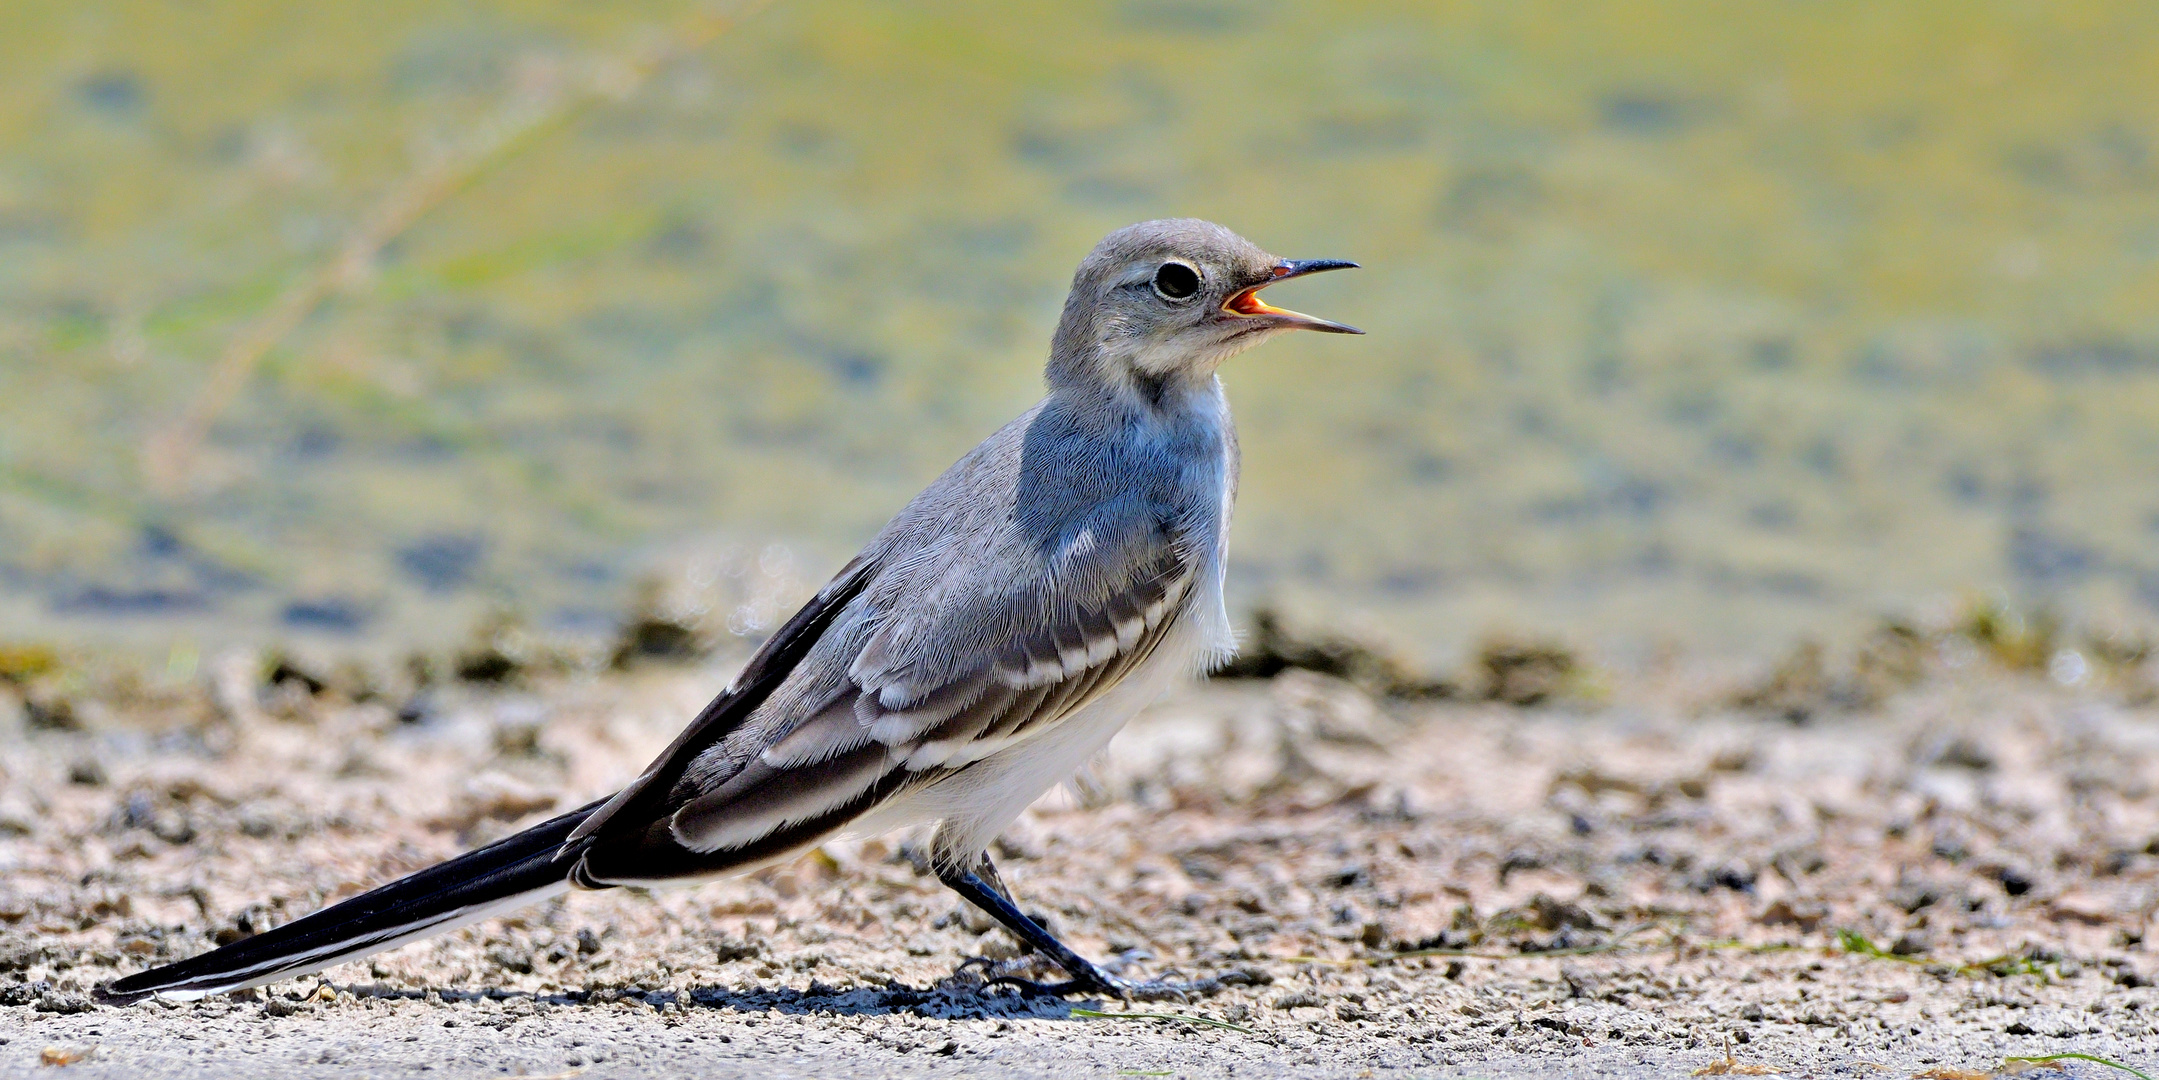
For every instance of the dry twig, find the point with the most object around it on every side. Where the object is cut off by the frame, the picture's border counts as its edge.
(168, 455)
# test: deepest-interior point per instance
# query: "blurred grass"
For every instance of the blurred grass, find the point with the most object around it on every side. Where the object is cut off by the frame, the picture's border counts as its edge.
(1691, 322)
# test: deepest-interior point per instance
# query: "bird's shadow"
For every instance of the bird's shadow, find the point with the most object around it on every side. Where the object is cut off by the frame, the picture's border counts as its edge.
(952, 999)
(944, 1001)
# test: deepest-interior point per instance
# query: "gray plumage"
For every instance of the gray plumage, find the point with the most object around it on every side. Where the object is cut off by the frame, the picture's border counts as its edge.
(991, 637)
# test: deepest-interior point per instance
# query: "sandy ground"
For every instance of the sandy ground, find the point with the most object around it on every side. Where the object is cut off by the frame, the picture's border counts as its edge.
(1963, 871)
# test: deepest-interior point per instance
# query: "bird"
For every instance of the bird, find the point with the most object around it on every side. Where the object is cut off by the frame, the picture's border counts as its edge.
(987, 641)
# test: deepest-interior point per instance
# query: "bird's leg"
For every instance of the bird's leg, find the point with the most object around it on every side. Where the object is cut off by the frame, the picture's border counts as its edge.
(981, 886)
(987, 871)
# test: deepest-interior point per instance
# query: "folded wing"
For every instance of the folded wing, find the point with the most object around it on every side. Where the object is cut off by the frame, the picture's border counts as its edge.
(951, 675)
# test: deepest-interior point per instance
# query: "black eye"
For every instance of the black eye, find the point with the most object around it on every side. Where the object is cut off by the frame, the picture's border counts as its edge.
(1176, 281)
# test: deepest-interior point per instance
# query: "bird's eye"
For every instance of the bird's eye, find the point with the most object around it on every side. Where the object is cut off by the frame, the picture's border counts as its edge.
(1176, 281)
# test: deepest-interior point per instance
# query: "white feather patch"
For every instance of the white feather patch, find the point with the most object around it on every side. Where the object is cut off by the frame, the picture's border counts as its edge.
(781, 802)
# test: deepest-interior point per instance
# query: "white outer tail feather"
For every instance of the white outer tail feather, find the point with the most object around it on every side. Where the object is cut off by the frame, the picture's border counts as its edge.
(329, 956)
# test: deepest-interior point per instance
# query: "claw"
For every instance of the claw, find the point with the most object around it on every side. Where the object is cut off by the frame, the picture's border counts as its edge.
(973, 881)
(1031, 988)
(1112, 986)
(1164, 990)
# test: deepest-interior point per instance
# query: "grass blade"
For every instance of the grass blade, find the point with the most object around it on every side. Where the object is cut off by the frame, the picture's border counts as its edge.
(1096, 1014)
(2049, 1059)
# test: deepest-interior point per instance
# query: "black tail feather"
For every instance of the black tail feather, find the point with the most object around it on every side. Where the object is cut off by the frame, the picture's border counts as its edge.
(501, 875)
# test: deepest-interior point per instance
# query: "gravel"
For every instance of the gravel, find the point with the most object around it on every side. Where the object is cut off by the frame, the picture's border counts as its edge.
(1642, 881)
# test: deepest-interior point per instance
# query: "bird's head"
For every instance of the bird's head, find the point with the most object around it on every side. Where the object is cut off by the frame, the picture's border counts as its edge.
(1167, 300)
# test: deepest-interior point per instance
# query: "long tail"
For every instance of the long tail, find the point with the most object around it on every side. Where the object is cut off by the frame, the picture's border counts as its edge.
(506, 874)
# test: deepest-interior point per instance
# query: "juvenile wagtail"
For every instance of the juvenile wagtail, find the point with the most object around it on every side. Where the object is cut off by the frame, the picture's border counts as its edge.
(991, 638)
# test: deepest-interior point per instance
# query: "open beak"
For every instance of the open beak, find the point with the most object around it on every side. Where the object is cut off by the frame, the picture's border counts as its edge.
(1247, 304)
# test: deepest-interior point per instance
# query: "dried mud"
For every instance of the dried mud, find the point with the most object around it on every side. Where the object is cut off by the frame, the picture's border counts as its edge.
(1963, 871)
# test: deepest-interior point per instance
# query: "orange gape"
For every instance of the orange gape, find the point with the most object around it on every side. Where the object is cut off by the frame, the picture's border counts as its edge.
(1249, 303)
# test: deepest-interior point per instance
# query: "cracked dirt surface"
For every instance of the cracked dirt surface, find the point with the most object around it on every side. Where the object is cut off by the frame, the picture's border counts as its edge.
(1965, 871)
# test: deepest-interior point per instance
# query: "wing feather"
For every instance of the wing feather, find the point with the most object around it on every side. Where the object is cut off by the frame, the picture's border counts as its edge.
(642, 799)
(877, 730)
(761, 800)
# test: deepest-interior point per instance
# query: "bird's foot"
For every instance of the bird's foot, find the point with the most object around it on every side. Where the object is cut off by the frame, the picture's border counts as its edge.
(1111, 986)
(1100, 981)
(1042, 947)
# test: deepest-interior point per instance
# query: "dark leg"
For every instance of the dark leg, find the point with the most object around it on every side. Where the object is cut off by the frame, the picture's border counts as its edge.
(1086, 978)
(987, 871)
(982, 888)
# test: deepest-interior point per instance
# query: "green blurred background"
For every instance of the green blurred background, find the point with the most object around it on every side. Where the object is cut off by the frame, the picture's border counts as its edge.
(1699, 324)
